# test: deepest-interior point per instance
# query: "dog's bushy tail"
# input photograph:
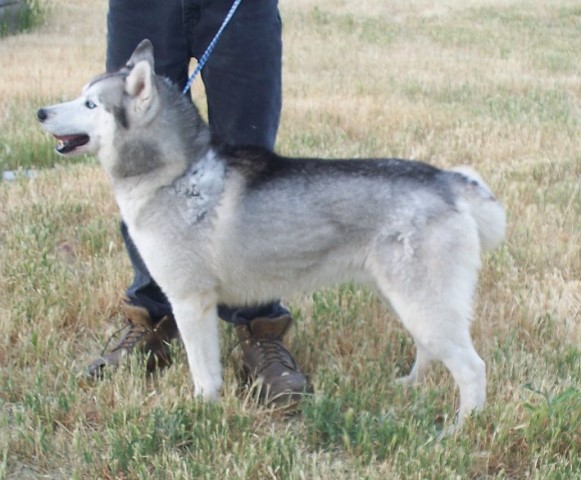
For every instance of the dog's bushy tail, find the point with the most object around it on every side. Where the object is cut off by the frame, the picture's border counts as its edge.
(486, 210)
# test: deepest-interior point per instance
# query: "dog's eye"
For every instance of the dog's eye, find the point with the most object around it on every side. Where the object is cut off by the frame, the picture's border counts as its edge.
(90, 104)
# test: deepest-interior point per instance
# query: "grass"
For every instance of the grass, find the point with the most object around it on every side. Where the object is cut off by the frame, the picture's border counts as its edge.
(494, 84)
(27, 16)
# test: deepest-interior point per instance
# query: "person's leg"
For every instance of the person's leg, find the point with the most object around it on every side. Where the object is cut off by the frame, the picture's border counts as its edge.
(242, 79)
(128, 23)
(131, 21)
(243, 75)
(243, 86)
(151, 324)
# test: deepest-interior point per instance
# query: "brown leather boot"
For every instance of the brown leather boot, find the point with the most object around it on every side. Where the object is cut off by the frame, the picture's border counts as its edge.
(266, 359)
(140, 335)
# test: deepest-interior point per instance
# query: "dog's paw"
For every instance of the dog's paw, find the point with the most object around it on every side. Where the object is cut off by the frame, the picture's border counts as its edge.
(406, 381)
(209, 391)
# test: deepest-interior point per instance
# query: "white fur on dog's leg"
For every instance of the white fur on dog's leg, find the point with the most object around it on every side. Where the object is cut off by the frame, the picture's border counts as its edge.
(197, 321)
(419, 369)
(469, 372)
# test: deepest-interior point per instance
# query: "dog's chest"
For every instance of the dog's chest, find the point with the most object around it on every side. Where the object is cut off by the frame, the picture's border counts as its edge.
(199, 190)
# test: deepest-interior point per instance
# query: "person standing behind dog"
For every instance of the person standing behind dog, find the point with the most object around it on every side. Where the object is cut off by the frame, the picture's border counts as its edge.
(242, 79)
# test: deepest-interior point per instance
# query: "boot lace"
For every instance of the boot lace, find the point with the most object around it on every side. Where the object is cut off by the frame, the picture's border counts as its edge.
(273, 351)
(128, 341)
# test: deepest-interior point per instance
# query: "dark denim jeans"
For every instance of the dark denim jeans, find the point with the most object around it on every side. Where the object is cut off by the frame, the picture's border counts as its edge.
(242, 79)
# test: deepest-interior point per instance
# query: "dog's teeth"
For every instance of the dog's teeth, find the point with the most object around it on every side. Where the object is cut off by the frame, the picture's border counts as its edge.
(60, 144)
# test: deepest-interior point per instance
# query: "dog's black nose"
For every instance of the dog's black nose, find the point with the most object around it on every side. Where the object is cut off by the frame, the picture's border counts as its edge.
(42, 115)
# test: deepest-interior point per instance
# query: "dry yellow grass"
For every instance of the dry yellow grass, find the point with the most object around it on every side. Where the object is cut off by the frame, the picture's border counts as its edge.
(495, 84)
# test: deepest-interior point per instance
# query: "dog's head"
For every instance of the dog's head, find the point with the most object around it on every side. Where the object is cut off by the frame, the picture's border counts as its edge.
(110, 103)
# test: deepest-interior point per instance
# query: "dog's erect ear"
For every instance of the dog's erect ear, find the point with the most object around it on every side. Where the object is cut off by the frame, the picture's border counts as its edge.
(143, 52)
(139, 84)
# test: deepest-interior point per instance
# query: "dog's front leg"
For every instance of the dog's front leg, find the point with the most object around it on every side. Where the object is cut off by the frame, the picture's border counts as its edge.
(197, 320)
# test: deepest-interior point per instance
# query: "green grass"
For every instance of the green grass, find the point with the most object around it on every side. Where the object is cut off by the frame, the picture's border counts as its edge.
(493, 86)
(29, 16)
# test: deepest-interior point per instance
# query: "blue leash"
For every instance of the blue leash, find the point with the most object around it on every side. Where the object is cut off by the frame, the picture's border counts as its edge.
(208, 52)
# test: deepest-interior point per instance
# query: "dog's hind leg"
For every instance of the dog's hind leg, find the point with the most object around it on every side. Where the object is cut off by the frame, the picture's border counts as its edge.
(419, 369)
(469, 372)
(432, 296)
(442, 333)
(198, 324)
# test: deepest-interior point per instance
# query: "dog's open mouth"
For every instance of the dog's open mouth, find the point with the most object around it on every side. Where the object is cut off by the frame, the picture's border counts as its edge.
(69, 143)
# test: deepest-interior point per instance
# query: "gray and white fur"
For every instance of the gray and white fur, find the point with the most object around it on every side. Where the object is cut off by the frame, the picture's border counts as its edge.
(216, 224)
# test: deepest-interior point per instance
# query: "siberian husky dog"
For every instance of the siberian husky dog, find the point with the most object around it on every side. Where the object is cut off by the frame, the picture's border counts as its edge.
(239, 226)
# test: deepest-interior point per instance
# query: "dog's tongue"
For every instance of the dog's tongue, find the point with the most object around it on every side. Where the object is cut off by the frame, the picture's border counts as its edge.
(67, 143)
